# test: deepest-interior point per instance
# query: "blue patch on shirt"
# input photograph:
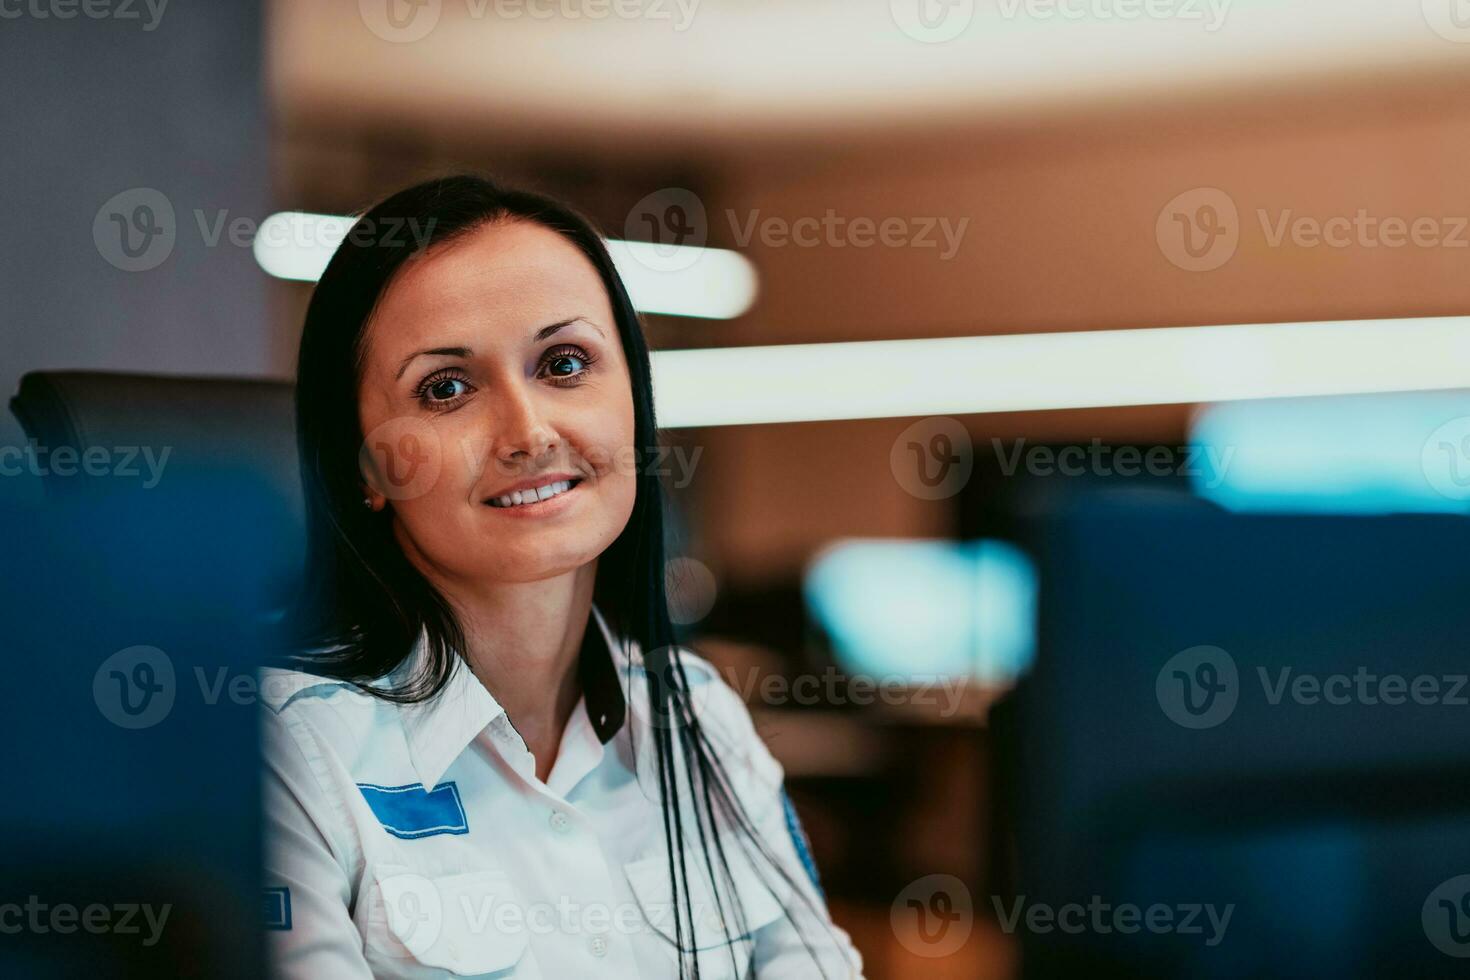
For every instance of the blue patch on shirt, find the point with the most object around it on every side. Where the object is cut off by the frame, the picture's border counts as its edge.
(276, 908)
(411, 811)
(803, 846)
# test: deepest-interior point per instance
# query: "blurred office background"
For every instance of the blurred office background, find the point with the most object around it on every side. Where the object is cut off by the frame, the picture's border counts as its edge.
(1043, 169)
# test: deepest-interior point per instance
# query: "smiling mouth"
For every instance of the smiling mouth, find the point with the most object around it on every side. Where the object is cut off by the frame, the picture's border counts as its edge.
(535, 495)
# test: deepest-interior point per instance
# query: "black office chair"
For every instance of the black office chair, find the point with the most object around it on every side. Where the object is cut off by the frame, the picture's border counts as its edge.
(158, 435)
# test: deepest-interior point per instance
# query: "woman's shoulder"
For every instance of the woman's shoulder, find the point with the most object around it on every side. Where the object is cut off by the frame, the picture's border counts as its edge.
(296, 690)
(318, 714)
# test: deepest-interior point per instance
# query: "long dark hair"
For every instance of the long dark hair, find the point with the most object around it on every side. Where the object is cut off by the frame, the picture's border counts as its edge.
(368, 604)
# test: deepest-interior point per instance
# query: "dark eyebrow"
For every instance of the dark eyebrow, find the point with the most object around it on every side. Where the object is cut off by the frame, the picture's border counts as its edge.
(465, 352)
(547, 331)
(449, 351)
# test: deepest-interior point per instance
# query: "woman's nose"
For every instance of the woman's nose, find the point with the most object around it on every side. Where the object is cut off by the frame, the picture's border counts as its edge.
(521, 429)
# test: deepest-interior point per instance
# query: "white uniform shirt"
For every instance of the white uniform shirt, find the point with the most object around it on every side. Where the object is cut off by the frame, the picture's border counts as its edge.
(417, 841)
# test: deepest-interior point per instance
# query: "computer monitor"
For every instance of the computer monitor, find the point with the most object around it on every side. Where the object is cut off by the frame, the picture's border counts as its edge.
(1244, 748)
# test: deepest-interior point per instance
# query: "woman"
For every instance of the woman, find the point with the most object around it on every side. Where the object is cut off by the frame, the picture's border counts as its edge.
(493, 760)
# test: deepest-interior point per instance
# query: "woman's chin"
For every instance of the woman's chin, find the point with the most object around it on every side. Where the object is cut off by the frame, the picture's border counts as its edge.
(544, 563)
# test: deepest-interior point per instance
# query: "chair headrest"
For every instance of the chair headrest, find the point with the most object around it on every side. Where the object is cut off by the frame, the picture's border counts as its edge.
(167, 422)
(189, 447)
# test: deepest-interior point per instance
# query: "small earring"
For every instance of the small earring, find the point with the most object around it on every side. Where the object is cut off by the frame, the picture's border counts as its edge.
(367, 502)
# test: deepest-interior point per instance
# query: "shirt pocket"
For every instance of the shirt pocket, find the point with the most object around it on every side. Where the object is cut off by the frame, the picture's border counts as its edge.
(428, 925)
(762, 899)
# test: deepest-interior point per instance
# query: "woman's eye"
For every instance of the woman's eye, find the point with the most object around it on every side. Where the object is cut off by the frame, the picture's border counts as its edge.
(442, 391)
(447, 389)
(565, 365)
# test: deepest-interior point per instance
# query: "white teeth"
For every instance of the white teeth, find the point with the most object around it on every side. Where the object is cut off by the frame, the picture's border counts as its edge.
(518, 497)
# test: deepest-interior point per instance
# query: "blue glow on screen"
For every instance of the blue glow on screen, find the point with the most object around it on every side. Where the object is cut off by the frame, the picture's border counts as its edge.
(1359, 454)
(921, 609)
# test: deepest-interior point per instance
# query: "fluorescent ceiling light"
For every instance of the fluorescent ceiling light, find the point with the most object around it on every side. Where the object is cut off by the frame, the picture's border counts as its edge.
(679, 280)
(1352, 454)
(1028, 372)
(683, 280)
(963, 375)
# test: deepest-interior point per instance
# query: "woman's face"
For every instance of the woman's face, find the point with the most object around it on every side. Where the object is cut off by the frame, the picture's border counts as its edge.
(493, 367)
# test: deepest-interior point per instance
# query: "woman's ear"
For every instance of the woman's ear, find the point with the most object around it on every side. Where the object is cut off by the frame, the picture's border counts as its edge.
(372, 499)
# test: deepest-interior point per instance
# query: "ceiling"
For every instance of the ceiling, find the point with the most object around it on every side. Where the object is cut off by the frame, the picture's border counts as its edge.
(712, 69)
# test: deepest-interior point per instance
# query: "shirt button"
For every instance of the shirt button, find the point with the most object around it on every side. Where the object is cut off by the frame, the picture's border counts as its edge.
(559, 822)
(598, 945)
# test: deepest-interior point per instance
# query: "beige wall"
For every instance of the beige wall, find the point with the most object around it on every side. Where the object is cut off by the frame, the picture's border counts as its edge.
(1062, 237)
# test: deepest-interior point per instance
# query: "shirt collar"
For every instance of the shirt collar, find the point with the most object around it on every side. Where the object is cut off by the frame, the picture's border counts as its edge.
(439, 730)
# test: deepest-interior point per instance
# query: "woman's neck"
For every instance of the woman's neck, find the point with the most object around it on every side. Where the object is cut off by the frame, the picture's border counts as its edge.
(522, 641)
